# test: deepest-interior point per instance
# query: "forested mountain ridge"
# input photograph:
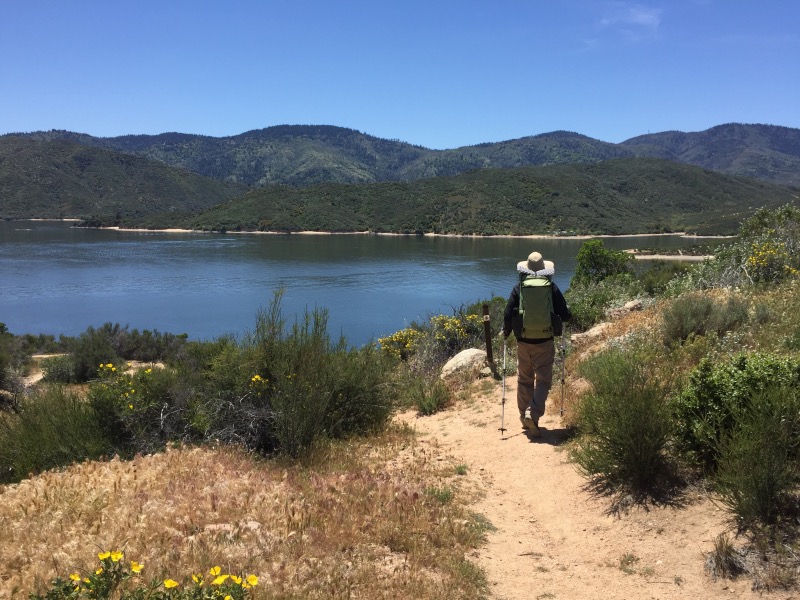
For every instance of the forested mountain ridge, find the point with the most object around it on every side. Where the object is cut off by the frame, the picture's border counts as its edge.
(64, 179)
(630, 195)
(765, 152)
(303, 155)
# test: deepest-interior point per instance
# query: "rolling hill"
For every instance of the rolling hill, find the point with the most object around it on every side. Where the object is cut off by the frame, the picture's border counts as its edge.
(631, 195)
(65, 179)
(302, 155)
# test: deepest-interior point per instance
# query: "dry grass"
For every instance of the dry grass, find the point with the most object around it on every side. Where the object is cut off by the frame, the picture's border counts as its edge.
(357, 519)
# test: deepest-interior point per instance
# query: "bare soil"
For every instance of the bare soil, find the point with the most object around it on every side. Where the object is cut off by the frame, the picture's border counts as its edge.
(556, 538)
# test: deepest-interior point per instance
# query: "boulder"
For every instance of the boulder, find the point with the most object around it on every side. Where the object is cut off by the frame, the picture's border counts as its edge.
(591, 335)
(616, 313)
(469, 360)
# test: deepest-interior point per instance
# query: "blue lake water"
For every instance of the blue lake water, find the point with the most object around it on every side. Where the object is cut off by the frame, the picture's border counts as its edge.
(57, 279)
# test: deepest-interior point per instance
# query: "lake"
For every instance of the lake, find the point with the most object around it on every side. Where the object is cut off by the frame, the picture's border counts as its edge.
(57, 279)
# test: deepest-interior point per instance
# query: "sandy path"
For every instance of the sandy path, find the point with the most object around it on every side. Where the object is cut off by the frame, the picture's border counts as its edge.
(554, 539)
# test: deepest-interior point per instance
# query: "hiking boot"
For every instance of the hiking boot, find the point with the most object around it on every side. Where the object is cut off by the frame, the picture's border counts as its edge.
(534, 430)
(523, 421)
(529, 423)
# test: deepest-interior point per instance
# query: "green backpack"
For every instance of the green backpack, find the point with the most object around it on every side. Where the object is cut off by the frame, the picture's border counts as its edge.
(536, 307)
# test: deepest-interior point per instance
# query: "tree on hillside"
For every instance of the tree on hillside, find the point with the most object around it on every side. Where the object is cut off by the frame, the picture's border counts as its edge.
(596, 263)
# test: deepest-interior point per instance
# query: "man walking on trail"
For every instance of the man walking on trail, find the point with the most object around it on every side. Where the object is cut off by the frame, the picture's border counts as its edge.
(530, 314)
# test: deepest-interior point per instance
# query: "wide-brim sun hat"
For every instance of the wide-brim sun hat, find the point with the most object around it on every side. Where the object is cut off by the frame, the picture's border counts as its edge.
(536, 265)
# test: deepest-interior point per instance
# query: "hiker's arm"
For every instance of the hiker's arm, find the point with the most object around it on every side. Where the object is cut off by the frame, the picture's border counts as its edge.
(511, 305)
(560, 304)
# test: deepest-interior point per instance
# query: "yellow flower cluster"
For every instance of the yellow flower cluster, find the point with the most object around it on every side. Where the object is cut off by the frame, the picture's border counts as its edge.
(220, 578)
(770, 261)
(256, 381)
(401, 344)
(225, 586)
(454, 327)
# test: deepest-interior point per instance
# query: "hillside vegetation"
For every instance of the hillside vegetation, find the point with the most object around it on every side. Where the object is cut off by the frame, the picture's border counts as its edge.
(613, 197)
(64, 179)
(334, 179)
(307, 155)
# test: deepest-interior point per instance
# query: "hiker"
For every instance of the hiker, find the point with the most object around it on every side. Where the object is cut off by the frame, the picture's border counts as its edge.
(544, 309)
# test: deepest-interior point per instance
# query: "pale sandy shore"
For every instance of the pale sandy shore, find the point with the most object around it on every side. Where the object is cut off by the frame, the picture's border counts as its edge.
(446, 235)
(681, 257)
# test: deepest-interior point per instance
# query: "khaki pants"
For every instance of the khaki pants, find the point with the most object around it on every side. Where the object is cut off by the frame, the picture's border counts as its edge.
(535, 372)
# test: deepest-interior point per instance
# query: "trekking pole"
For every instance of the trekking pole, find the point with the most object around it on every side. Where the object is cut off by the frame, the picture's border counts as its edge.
(563, 361)
(503, 401)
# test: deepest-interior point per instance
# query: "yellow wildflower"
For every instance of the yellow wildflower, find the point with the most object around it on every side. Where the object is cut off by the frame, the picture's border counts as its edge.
(136, 567)
(197, 578)
(236, 580)
(220, 580)
(98, 571)
(252, 580)
(170, 583)
(228, 597)
(74, 577)
(104, 555)
(215, 571)
(115, 556)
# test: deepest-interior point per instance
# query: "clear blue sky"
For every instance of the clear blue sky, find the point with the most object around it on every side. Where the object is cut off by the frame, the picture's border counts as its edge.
(438, 73)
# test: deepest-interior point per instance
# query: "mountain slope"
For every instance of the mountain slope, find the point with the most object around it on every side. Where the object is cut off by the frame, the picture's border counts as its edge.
(306, 155)
(63, 179)
(761, 151)
(632, 195)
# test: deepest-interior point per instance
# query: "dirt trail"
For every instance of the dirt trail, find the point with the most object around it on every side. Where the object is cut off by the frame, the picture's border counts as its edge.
(554, 538)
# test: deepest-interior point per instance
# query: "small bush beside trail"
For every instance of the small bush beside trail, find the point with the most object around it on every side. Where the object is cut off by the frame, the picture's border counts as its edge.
(52, 428)
(624, 420)
(757, 471)
(697, 314)
(588, 302)
(706, 410)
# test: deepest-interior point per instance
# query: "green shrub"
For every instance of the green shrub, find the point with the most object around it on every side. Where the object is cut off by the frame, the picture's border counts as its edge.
(624, 421)
(697, 314)
(91, 349)
(360, 395)
(52, 428)
(59, 369)
(429, 394)
(142, 411)
(595, 263)
(715, 393)
(588, 302)
(297, 385)
(657, 277)
(757, 466)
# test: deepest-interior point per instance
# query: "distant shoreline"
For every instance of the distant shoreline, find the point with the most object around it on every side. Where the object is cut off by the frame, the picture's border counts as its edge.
(639, 256)
(450, 235)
